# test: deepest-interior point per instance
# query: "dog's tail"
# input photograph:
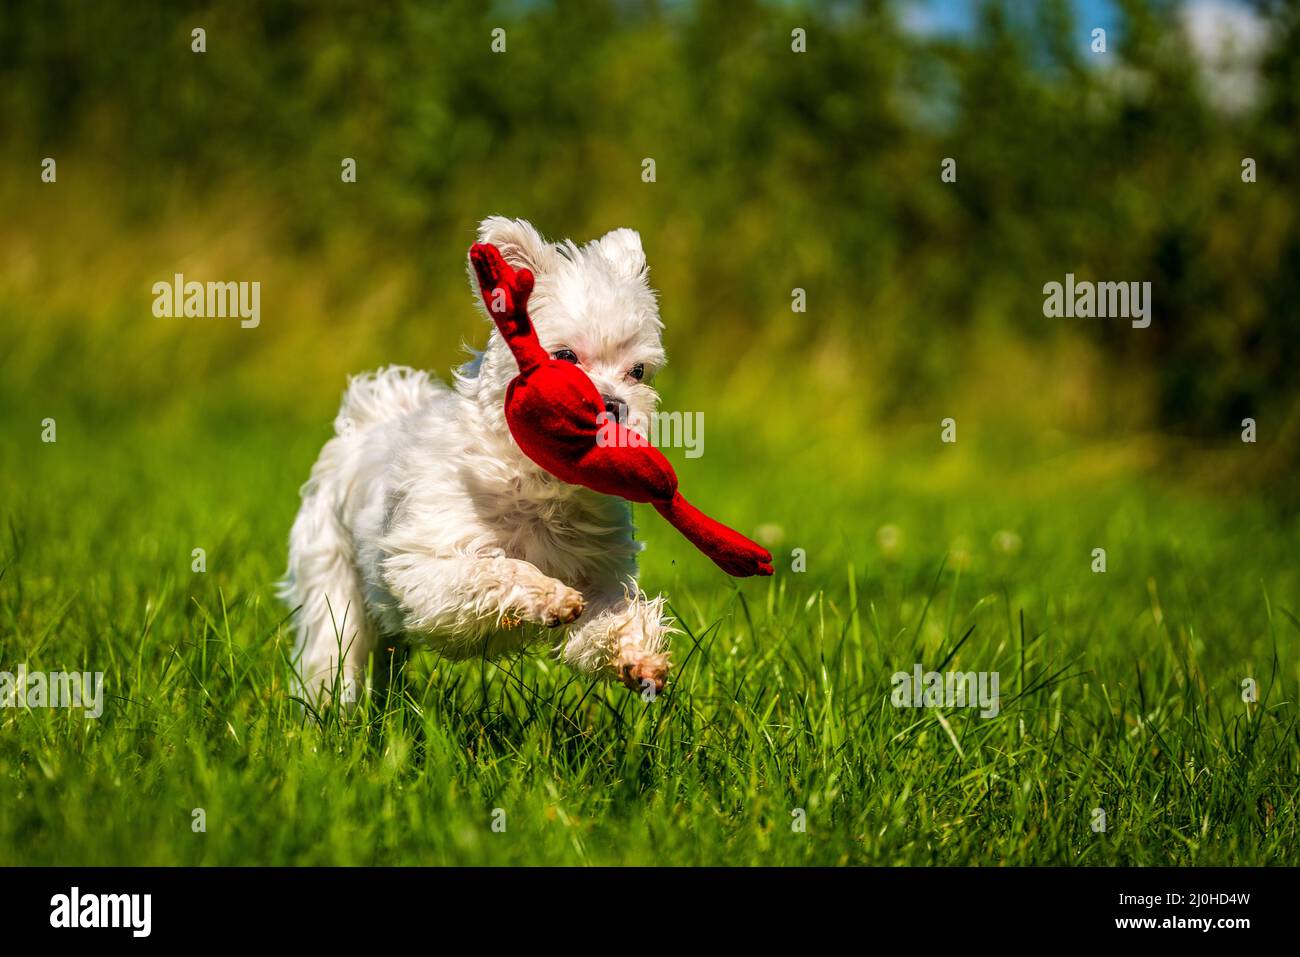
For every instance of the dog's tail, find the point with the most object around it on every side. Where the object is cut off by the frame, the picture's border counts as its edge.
(333, 636)
(383, 395)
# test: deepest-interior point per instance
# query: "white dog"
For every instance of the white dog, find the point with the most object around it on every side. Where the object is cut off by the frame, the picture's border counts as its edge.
(424, 523)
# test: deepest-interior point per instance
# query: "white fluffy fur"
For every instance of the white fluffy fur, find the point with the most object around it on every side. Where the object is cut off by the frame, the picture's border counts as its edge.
(423, 521)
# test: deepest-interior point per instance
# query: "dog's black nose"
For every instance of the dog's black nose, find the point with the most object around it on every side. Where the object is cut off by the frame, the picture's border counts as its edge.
(616, 408)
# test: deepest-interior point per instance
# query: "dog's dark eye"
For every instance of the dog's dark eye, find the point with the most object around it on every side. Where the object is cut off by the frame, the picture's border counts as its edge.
(566, 355)
(638, 371)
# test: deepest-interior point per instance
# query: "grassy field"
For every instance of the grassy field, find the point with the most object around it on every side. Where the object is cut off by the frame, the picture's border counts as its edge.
(1119, 691)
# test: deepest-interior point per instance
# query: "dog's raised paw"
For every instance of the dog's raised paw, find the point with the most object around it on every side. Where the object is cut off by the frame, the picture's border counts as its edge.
(564, 607)
(643, 671)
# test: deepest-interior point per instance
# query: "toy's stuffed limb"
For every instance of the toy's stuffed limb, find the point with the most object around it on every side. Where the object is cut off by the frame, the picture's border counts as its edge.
(505, 293)
(623, 463)
(732, 552)
(623, 635)
(638, 471)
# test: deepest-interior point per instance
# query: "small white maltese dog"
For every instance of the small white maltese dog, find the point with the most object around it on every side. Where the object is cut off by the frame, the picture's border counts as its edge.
(423, 523)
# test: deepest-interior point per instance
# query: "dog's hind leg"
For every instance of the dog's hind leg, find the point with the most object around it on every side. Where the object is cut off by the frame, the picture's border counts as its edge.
(335, 636)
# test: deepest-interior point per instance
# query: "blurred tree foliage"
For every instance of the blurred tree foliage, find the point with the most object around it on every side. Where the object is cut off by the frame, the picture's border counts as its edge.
(774, 169)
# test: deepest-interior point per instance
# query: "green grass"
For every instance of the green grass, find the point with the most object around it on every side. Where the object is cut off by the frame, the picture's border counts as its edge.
(1119, 690)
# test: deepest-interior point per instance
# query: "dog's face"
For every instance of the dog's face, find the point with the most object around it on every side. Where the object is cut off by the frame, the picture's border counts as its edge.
(593, 306)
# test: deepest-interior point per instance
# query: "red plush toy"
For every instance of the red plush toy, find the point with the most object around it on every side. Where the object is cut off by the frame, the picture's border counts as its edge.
(556, 415)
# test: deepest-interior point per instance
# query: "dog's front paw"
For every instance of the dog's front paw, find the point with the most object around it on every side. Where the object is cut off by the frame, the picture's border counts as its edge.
(562, 607)
(640, 671)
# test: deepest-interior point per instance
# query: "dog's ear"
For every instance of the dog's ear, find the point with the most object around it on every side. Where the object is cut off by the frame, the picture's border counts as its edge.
(520, 244)
(622, 249)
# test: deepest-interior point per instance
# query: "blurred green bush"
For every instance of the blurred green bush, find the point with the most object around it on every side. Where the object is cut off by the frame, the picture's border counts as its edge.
(775, 170)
